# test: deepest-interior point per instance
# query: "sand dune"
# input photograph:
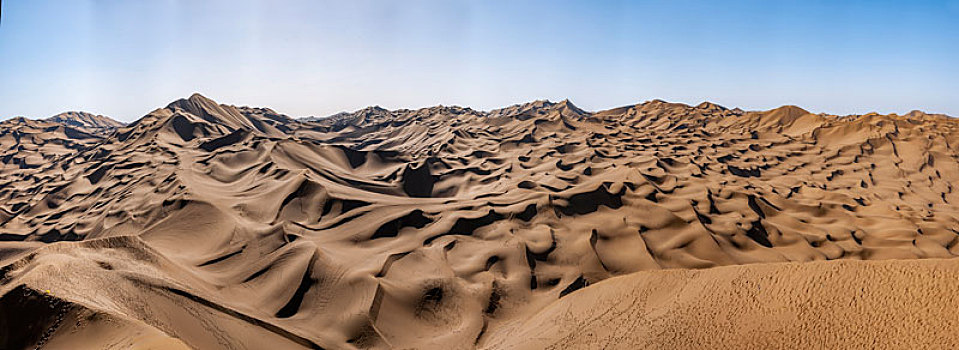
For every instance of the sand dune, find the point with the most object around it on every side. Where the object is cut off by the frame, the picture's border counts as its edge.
(212, 226)
(94, 122)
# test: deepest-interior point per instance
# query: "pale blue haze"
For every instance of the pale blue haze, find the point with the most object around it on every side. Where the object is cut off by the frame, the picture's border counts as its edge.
(124, 58)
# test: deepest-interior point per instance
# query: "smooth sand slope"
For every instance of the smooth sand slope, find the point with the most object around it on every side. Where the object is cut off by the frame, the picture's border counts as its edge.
(905, 304)
(211, 226)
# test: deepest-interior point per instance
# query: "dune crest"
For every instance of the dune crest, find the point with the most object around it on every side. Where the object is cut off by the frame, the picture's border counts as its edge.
(99, 123)
(235, 227)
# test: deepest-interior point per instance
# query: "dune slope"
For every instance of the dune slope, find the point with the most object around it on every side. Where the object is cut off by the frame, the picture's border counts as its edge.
(904, 304)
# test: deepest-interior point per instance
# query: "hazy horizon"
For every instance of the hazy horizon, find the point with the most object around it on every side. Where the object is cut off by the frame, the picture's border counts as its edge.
(305, 58)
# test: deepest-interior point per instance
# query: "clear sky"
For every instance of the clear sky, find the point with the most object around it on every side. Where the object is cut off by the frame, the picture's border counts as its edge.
(125, 58)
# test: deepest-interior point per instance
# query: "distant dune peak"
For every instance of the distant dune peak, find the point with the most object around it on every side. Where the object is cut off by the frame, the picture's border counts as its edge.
(568, 106)
(196, 104)
(18, 120)
(789, 110)
(85, 120)
(195, 99)
(710, 106)
(541, 107)
(196, 96)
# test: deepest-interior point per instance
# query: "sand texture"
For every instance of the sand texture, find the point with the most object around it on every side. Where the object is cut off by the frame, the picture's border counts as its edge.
(657, 225)
(897, 304)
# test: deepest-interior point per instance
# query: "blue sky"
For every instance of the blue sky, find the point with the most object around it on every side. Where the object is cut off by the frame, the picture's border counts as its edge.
(125, 58)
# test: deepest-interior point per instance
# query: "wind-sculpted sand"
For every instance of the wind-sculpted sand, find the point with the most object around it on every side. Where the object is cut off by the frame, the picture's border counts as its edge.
(218, 227)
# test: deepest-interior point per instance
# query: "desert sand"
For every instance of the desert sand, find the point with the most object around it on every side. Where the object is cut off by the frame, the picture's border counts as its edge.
(539, 225)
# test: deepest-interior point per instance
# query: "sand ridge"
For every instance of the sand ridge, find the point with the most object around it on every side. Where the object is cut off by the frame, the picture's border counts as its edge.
(440, 226)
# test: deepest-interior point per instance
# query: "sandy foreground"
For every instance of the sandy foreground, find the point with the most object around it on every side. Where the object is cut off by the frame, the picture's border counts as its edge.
(539, 225)
(905, 304)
